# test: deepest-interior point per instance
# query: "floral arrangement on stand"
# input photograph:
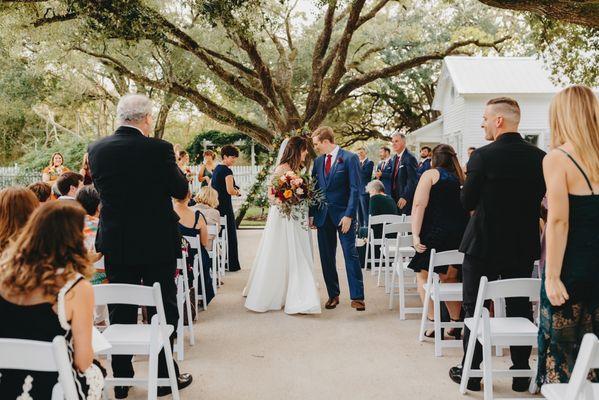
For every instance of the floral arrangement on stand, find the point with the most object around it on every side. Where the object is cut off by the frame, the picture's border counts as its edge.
(293, 194)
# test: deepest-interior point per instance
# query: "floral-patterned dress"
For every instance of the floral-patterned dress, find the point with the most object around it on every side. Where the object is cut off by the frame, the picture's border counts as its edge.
(90, 229)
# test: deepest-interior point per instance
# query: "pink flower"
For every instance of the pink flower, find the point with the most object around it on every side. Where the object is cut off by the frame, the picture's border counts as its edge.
(299, 191)
(297, 181)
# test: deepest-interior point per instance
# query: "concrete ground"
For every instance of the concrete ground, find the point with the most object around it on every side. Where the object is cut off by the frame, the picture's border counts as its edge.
(340, 354)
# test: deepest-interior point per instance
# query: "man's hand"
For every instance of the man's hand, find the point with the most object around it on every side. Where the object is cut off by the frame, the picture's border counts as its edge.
(311, 223)
(378, 174)
(345, 224)
(402, 203)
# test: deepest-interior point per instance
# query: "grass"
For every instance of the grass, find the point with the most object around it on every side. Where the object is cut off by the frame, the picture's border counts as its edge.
(254, 218)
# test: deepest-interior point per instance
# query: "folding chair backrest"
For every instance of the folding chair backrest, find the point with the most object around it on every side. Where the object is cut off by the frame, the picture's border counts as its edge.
(223, 220)
(406, 218)
(450, 257)
(121, 293)
(194, 241)
(385, 219)
(397, 228)
(506, 288)
(33, 355)
(588, 357)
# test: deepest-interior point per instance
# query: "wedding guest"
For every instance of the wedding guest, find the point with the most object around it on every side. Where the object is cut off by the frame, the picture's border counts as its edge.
(207, 203)
(380, 204)
(404, 177)
(207, 168)
(182, 159)
(504, 188)
(16, 205)
(89, 198)
(224, 183)
(438, 222)
(140, 240)
(193, 223)
(55, 169)
(569, 297)
(384, 169)
(366, 167)
(47, 261)
(425, 154)
(68, 184)
(41, 190)
(84, 171)
(470, 151)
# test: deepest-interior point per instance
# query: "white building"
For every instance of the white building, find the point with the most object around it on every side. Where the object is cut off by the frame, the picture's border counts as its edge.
(467, 83)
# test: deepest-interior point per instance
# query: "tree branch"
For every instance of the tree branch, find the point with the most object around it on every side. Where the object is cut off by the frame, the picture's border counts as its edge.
(55, 18)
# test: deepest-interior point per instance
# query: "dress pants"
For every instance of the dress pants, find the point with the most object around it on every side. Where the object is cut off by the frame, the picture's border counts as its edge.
(475, 268)
(146, 275)
(363, 209)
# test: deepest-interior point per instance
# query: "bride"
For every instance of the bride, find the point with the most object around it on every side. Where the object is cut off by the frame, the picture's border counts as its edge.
(282, 272)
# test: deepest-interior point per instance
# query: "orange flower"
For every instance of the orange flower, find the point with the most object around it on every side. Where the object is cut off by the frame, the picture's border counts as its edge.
(288, 193)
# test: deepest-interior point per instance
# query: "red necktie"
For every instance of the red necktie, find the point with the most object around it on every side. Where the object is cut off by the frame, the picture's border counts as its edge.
(327, 165)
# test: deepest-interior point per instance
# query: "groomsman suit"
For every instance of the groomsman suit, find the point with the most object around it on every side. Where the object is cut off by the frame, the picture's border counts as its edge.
(423, 167)
(385, 167)
(366, 168)
(404, 179)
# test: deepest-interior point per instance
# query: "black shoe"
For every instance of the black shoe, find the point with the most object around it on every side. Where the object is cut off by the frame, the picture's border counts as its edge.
(183, 381)
(455, 373)
(121, 392)
(520, 384)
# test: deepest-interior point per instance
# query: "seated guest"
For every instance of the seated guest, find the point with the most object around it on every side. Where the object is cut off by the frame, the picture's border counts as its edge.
(380, 204)
(16, 205)
(193, 223)
(68, 184)
(438, 221)
(207, 202)
(89, 199)
(41, 191)
(48, 263)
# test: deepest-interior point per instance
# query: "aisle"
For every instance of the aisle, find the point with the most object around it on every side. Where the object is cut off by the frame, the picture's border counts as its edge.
(341, 354)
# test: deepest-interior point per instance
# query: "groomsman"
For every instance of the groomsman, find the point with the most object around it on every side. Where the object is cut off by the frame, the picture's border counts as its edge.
(366, 167)
(426, 155)
(404, 176)
(384, 169)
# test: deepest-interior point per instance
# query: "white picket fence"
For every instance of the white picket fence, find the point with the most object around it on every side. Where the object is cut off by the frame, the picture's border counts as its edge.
(13, 176)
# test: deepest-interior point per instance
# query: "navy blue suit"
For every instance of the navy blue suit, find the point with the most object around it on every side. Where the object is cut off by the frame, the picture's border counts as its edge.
(341, 188)
(365, 177)
(406, 179)
(386, 175)
(425, 166)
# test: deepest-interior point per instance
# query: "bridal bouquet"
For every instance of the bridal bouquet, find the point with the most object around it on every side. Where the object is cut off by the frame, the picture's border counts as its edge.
(294, 193)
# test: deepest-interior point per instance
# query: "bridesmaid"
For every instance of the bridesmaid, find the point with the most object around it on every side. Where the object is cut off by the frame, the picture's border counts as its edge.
(224, 183)
(569, 298)
(207, 168)
(51, 173)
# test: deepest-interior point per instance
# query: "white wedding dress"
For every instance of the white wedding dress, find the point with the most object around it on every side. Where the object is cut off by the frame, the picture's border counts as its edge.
(282, 274)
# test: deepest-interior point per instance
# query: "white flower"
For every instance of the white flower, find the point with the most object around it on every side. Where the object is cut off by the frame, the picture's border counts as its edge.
(299, 191)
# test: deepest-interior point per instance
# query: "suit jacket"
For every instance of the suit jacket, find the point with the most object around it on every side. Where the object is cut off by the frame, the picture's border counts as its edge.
(405, 180)
(504, 187)
(341, 188)
(425, 166)
(136, 177)
(365, 175)
(386, 175)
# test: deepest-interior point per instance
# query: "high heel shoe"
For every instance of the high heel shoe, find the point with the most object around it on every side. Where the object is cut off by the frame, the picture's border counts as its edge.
(455, 333)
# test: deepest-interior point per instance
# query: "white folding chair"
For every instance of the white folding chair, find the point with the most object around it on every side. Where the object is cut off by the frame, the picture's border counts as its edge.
(33, 355)
(579, 388)
(224, 247)
(139, 338)
(389, 251)
(373, 241)
(499, 331)
(215, 255)
(183, 306)
(198, 271)
(440, 292)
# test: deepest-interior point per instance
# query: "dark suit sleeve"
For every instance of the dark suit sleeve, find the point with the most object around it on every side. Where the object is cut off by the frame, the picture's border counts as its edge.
(175, 179)
(369, 169)
(411, 167)
(387, 173)
(353, 168)
(475, 179)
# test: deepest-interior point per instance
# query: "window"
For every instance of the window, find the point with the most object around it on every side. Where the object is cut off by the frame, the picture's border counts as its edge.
(532, 139)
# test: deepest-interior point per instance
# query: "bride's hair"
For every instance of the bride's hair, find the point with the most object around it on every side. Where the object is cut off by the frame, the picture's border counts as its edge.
(293, 152)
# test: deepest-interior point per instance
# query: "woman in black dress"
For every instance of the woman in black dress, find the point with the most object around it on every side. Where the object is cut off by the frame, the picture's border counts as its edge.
(224, 183)
(438, 220)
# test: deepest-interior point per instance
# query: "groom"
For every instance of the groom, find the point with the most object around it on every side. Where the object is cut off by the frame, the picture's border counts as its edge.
(336, 173)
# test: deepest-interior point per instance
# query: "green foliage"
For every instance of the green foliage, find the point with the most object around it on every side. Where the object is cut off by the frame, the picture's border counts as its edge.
(71, 148)
(218, 139)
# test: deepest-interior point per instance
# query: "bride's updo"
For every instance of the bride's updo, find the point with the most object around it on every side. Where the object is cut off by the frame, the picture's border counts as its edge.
(293, 152)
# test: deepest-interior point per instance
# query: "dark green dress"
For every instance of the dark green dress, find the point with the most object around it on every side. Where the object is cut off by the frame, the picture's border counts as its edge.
(561, 328)
(207, 173)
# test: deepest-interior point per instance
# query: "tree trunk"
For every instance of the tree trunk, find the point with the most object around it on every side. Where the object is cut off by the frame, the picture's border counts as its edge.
(163, 115)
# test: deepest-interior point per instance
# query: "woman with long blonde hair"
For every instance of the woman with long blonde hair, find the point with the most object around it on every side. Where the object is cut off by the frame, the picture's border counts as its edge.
(44, 293)
(569, 295)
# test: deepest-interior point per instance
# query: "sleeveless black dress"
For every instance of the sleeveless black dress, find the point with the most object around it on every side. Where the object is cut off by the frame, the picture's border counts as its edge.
(225, 207)
(444, 221)
(561, 328)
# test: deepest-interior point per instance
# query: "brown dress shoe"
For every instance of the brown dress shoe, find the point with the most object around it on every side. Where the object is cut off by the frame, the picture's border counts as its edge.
(359, 305)
(332, 303)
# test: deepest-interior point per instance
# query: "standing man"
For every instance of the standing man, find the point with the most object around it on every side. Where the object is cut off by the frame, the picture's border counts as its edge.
(384, 170)
(426, 154)
(366, 167)
(136, 177)
(337, 174)
(404, 176)
(503, 189)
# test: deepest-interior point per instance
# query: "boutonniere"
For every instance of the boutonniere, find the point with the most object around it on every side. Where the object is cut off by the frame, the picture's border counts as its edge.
(340, 160)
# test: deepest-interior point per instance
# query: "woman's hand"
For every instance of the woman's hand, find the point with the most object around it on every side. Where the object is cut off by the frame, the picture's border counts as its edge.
(556, 291)
(419, 247)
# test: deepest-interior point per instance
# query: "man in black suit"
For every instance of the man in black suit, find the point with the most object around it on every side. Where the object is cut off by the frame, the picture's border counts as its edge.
(404, 176)
(136, 177)
(503, 189)
(366, 167)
